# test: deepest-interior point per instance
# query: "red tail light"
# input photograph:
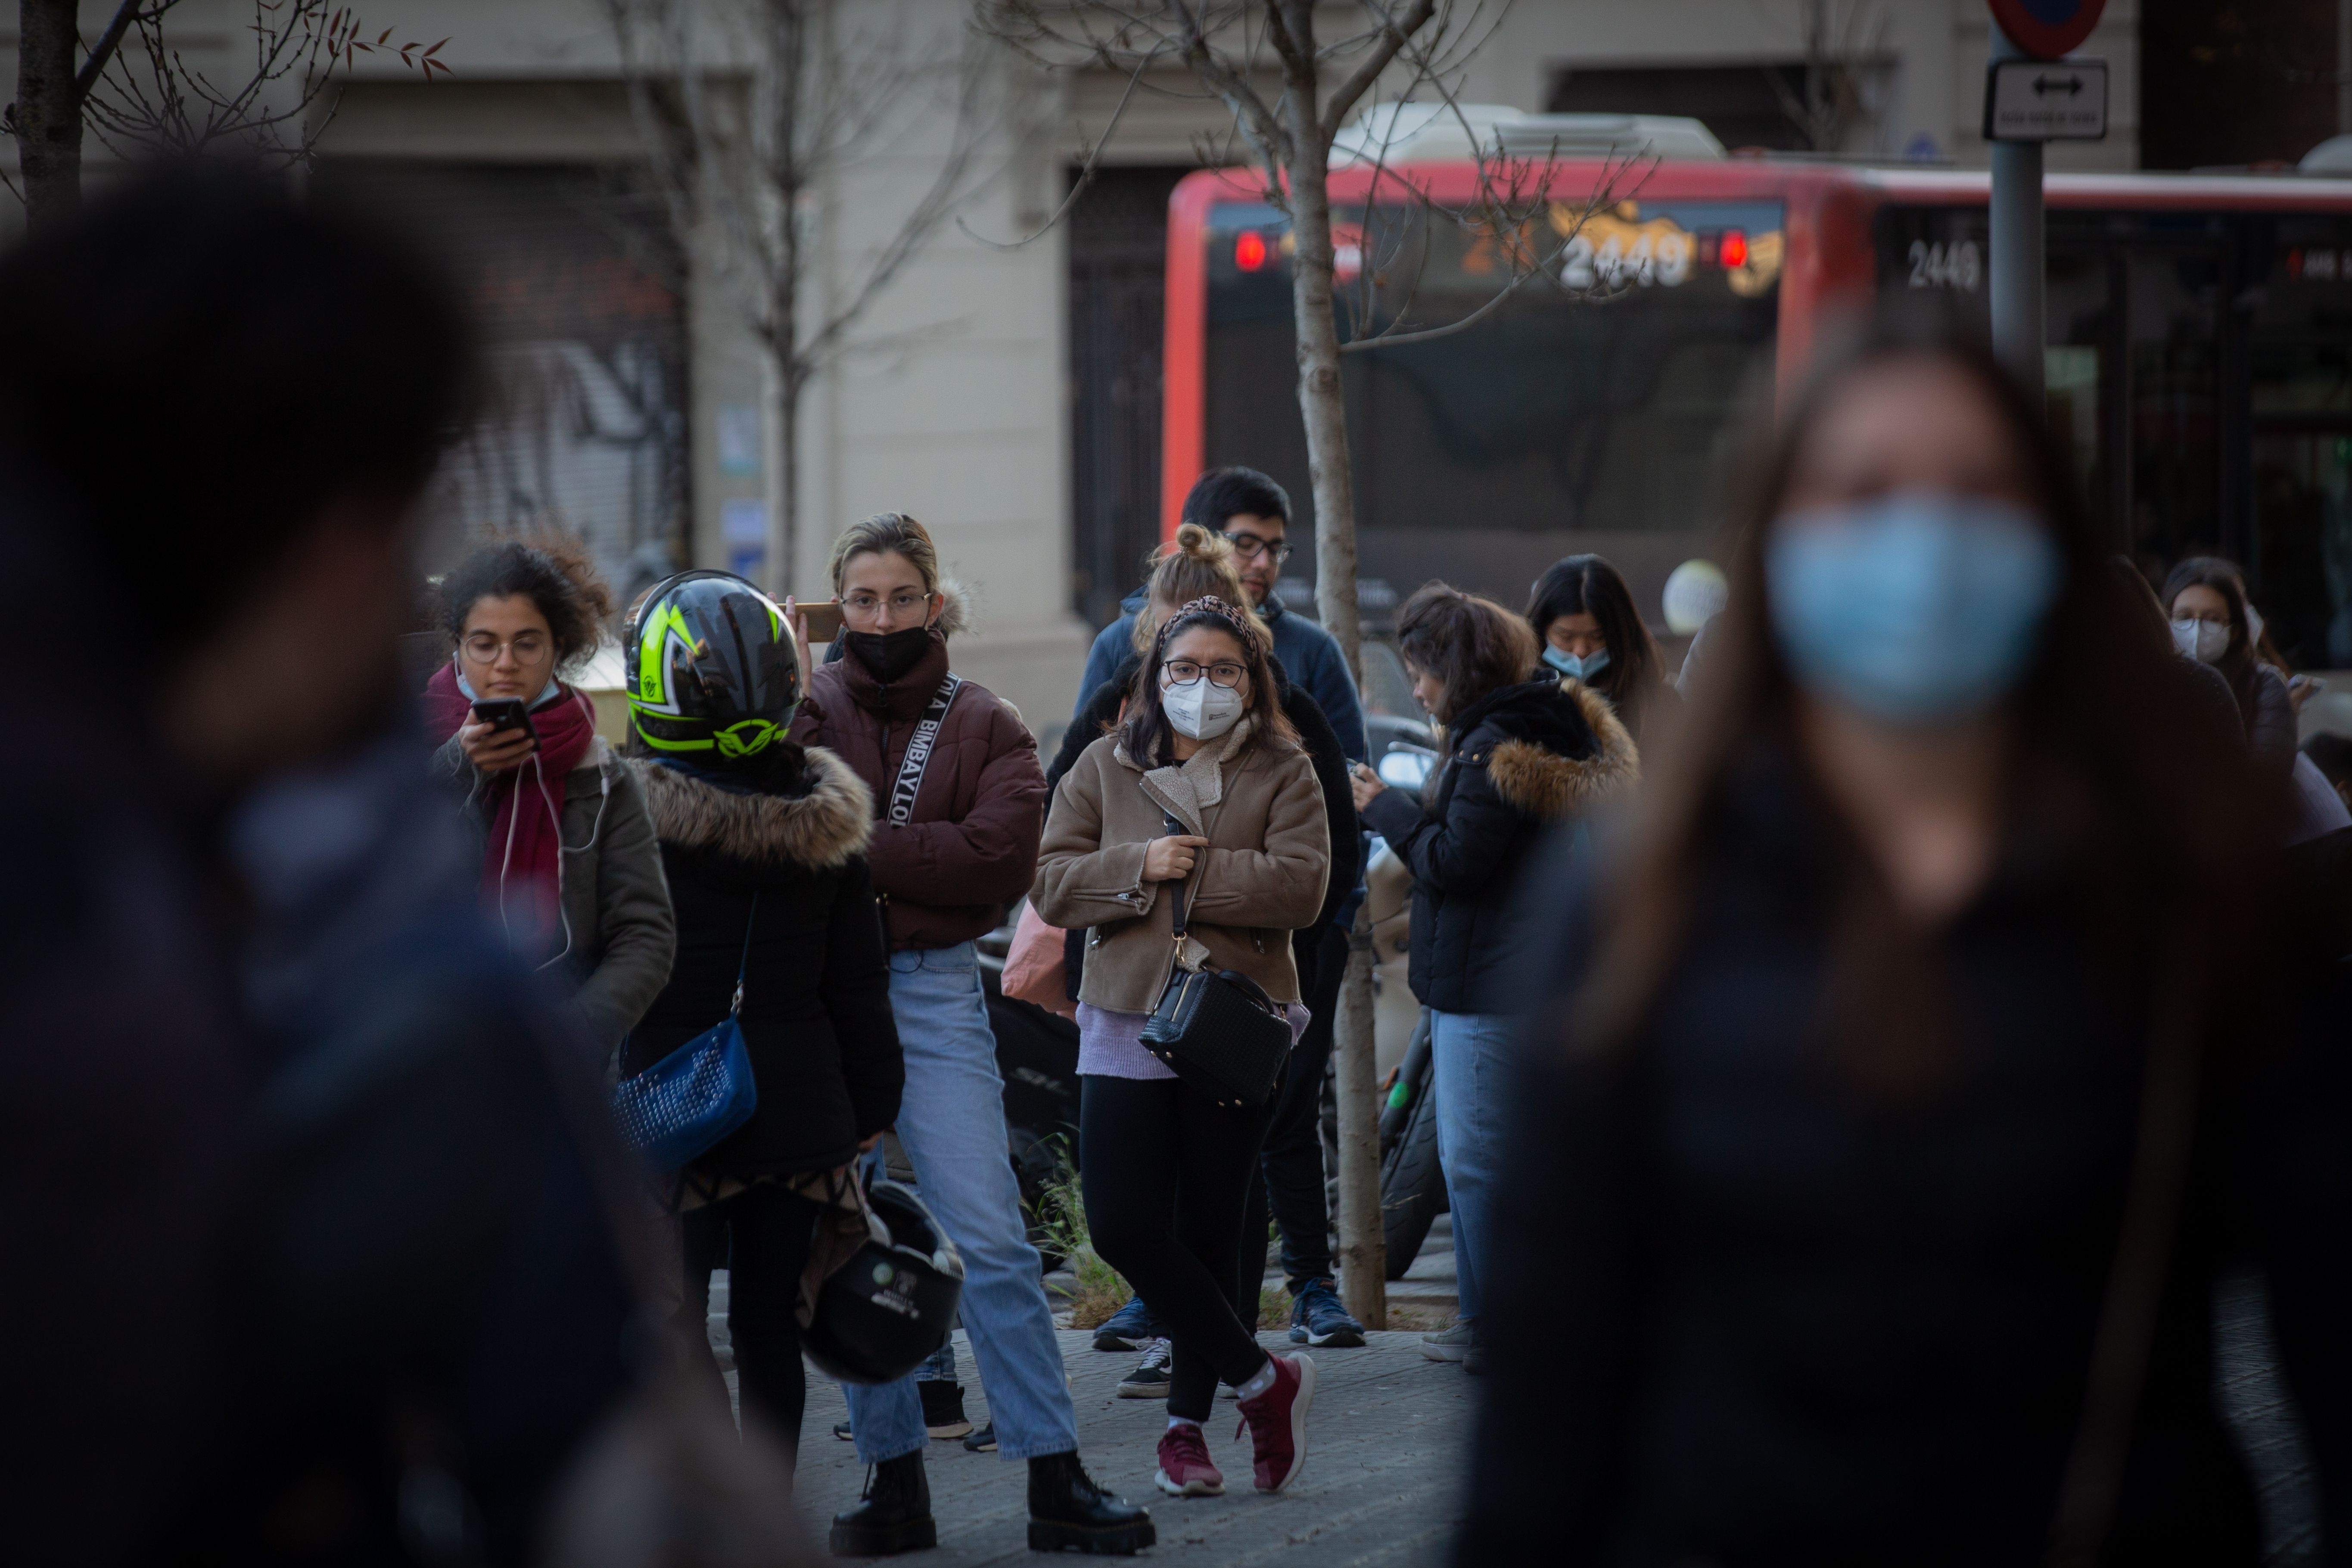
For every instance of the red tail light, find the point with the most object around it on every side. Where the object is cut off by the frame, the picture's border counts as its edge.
(1249, 251)
(1734, 251)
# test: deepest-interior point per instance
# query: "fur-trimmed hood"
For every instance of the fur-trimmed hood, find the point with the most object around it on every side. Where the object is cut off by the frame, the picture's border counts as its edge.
(820, 829)
(1552, 750)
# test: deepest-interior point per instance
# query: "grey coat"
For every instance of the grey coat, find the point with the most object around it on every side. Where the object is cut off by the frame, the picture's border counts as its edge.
(616, 899)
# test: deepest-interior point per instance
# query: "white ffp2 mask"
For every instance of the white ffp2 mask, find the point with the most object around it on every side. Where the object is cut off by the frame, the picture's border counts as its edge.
(1204, 709)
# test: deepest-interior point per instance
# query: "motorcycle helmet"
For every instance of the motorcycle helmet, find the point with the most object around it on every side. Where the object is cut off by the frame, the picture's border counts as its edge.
(712, 675)
(889, 1308)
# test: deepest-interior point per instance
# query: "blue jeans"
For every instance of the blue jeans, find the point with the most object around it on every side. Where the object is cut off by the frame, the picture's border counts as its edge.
(1467, 1051)
(951, 1121)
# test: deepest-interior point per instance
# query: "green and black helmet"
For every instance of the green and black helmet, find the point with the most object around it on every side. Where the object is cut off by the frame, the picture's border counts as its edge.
(712, 674)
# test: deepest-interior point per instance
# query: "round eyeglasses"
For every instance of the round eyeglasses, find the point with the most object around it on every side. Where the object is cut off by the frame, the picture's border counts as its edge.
(529, 647)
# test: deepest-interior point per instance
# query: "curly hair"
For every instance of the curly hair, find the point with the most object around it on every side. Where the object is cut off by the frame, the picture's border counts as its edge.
(555, 573)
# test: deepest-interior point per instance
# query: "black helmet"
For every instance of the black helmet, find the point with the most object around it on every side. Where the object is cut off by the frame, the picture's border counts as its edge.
(712, 674)
(887, 1309)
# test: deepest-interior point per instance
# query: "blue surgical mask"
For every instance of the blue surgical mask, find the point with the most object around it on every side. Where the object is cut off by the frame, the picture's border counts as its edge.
(1917, 607)
(547, 694)
(1577, 669)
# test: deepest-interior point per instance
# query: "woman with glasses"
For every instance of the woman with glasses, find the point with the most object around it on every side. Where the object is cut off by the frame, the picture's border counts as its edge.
(955, 844)
(1166, 1168)
(570, 870)
(1200, 564)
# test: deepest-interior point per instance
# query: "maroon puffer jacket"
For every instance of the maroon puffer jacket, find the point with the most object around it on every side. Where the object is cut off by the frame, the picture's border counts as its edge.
(971, 849)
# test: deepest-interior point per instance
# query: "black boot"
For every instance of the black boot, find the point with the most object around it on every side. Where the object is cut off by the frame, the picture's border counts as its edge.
(892, 1516)
(1067, 1512)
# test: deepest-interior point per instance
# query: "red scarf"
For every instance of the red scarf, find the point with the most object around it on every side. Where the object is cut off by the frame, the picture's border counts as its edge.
(523, 873)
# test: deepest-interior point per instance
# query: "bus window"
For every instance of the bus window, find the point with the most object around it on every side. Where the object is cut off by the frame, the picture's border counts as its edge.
(1593, 410)
(2299, 367)
(2174, 402)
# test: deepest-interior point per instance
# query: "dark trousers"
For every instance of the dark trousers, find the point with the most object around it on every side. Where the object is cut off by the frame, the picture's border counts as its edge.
(1290, 1178)
(761, 1237)
(1167, 1174)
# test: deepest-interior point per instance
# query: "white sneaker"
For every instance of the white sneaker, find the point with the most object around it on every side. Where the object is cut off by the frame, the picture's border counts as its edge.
(1453, 1344)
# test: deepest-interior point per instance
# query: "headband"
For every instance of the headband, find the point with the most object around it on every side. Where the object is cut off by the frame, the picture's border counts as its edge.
(1211, 605)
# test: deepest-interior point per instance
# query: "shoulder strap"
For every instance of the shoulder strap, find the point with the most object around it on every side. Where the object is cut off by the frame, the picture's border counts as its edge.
(743, 967)
(919, 752)
(1176, 889)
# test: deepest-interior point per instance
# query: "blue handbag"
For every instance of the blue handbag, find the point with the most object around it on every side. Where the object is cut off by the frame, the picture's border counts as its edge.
(681, 1107)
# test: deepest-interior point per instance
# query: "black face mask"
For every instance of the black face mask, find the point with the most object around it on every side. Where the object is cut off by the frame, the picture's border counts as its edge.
(887, 656)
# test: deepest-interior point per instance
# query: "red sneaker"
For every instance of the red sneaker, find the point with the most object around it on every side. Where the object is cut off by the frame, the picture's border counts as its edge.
(1276, 1420)
(1185, 1467)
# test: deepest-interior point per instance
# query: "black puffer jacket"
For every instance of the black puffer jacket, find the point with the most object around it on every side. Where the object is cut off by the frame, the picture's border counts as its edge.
(816, 1002)
(1517, 761)
(1099, 716)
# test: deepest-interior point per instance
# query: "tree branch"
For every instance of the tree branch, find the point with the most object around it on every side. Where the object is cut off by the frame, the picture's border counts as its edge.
(1386, 44)
(109, 41)
(1086, 172)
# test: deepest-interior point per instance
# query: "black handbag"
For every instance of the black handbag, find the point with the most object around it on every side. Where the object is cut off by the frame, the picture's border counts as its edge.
(1219, 1032)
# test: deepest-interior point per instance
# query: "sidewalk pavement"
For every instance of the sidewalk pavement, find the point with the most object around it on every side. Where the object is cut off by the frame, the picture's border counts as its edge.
(1384, 1444)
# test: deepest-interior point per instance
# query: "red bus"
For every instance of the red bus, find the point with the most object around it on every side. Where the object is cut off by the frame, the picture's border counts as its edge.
(2200, 363)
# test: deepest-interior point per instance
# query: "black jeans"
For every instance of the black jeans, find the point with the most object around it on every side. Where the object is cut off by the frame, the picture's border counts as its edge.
(1167, 1173)
(1291, 1167)
(760, 1236)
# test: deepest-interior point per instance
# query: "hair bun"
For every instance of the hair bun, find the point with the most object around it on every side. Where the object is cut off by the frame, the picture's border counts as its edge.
(1201, 543)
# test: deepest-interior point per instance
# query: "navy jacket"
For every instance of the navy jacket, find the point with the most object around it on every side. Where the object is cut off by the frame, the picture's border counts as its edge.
(1307, 653)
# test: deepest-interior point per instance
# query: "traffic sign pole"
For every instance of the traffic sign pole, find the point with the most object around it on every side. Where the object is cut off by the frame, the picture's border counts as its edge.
(2017, 305)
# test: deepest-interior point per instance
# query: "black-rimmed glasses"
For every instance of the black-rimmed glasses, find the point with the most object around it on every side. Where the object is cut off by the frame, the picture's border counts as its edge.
(1184, 672)
(1249, 547)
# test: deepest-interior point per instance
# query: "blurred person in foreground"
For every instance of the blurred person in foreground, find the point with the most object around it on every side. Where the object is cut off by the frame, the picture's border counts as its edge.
(569, 869)
(1519, 755)
(1587, 628)
(1896, 1099)
(1199, 564)
(311, 1172)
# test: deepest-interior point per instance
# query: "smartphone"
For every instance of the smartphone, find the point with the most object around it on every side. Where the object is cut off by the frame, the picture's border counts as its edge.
(502, 713)
(823, 618)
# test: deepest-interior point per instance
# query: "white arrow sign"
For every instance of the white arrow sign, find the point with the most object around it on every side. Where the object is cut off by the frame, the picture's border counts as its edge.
(2046, 100)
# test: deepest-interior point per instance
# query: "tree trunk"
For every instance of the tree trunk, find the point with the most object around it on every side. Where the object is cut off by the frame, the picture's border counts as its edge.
(49, 110)
(1363, 1272)
(785, 520)
(787, 66)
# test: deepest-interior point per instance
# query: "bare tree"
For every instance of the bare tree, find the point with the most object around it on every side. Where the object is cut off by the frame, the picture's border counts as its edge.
(136, 90)
(1830, 96)
(1291, 85)
(756, 156)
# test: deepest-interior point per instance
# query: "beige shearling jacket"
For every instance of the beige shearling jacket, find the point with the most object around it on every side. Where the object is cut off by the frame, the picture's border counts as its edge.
(1260, 878)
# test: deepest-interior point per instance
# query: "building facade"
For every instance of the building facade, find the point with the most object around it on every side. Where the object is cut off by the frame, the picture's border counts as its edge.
(1004, 385)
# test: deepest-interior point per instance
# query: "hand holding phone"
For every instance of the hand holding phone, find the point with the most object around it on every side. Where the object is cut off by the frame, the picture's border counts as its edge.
(501, 736)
